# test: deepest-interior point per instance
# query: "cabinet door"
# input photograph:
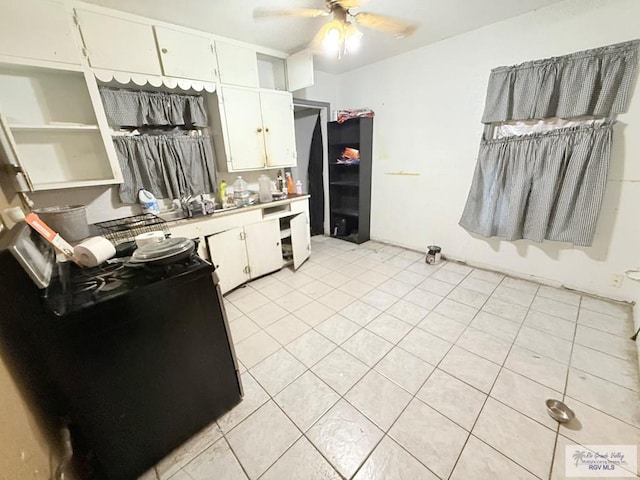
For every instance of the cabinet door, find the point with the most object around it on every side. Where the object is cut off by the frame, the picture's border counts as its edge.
(185, 55)
(263, 247)
(300, 70)
(237, 65)
(229, 256)
(241, 107)
(279, 128)
(300, 239)
(39, 29)
(116, 44)
(10, 159)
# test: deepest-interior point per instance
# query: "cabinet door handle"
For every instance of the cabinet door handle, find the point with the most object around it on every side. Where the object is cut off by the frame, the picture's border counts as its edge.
(266, 129)
(164, 50)
(259, 130)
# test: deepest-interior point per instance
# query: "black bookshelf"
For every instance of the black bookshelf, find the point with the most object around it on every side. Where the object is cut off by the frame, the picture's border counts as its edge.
(350, 184)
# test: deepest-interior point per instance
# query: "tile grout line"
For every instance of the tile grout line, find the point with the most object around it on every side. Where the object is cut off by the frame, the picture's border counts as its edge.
(489, 396)
(394, 345)
(342, 397)
(414, 395)
(566, 385)
(271, 398)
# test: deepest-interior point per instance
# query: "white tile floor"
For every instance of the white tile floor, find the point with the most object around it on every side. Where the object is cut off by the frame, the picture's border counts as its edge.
(369, 364)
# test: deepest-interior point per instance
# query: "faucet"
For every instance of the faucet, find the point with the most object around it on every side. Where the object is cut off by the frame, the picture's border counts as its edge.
(185, 204)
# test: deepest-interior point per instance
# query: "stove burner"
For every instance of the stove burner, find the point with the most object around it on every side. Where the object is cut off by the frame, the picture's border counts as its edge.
(83, 287)
(110, 284)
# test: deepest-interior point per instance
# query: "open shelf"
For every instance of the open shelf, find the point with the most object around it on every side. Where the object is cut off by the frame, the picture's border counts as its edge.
(54, 127)
(352, 237)
(345, 183)
(286, 233)
(350, 183)
(349, 212)
(51, 128)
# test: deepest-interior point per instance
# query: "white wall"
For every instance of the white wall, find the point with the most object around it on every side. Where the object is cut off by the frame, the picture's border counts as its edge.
(325, 89)
(428, 106)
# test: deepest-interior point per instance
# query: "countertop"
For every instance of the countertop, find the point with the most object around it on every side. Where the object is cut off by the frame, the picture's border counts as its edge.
(230, 211)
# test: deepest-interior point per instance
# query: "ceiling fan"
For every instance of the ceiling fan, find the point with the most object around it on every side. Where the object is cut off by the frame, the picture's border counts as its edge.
(340, 35)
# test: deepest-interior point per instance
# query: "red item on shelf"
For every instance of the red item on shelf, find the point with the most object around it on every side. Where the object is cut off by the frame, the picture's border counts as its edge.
(344, 115)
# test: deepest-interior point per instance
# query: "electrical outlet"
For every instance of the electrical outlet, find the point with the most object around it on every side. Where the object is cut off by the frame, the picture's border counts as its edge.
(616, 280)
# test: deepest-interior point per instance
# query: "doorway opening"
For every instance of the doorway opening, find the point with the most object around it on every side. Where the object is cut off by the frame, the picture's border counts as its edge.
(312, 165)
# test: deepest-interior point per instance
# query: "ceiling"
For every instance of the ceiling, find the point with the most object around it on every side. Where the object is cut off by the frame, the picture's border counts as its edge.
(437, 19)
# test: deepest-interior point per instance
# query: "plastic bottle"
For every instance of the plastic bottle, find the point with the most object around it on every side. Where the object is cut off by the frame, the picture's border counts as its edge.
(148, 201)
(264, 189)
(299, 187)
(291, 189)
(240, 192)
(280, 182)
(223, 193)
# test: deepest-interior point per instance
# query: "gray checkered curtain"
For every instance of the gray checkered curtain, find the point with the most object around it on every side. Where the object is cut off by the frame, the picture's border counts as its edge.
(169, 166)
(137, 108)
(541, 186)
(594, 82)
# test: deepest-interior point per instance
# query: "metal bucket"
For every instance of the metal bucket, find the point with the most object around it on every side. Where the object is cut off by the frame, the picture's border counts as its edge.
(70, 221)
(433, 254)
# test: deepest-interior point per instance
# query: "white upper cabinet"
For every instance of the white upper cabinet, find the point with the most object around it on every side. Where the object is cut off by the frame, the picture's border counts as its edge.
(300, 70)
(237, 65)
(37, 29)
(254, 129)
(54, 133)
(185, 55)
(279, 128)
(243, 121)
(117, 44)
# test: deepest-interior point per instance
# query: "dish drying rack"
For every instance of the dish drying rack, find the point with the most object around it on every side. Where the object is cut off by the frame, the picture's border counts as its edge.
(126, 229)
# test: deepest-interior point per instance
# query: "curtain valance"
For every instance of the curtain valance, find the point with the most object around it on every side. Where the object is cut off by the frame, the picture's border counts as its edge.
(542, 186)
(169, 166)
(593, 82)
(136, 108)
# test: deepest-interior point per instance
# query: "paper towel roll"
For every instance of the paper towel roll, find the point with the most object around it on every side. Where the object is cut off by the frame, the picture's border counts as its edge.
(93, 251)
(148, 237)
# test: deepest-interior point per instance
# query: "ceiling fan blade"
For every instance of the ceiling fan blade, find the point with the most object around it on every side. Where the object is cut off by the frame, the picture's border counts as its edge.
(386, 24)
(290, 12)
(348, 4)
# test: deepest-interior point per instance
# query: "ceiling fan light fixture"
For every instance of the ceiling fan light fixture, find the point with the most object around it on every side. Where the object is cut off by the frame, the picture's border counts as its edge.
(333, 38)
(353, 36)
(341, 38)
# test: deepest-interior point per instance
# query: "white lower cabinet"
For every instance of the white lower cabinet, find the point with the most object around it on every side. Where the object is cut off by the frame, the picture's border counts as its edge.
(244, 253)
(300, 239)
(264, 253)
(229, 256)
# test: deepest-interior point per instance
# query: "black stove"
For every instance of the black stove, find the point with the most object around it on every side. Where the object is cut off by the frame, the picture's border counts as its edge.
(135, 360)
(75, 288)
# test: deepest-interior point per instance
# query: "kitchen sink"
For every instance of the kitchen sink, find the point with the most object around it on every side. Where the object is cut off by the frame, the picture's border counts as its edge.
(172, 215)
